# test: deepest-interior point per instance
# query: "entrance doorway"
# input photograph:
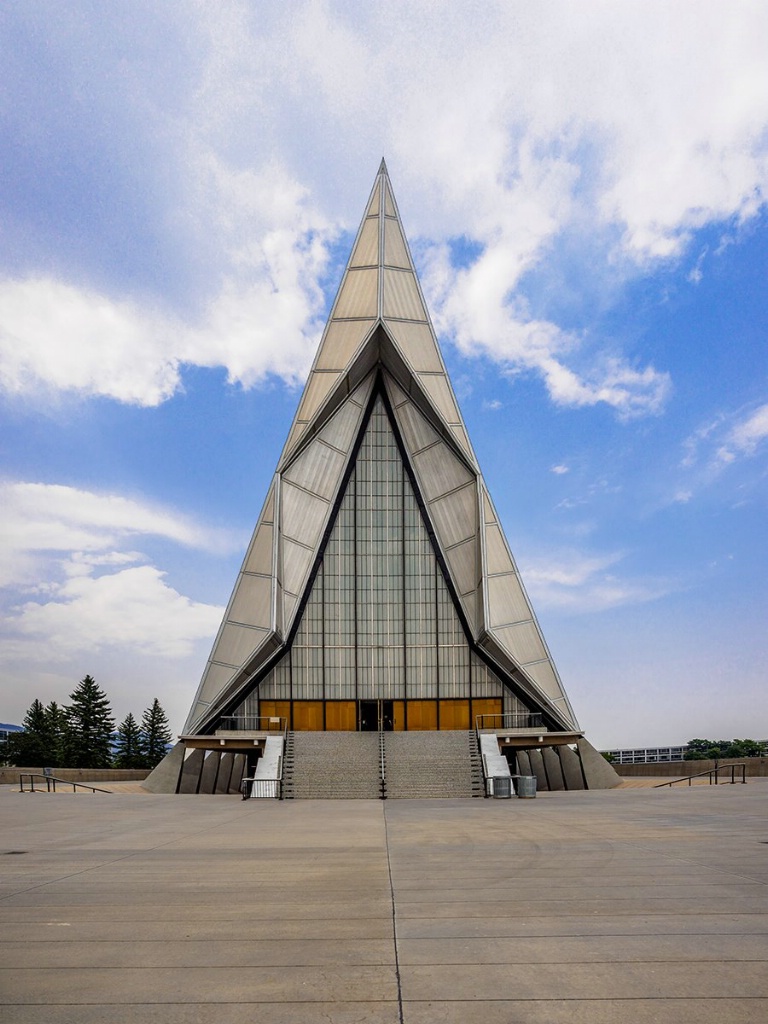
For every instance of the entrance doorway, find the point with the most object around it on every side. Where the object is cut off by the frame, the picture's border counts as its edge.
(375, 715)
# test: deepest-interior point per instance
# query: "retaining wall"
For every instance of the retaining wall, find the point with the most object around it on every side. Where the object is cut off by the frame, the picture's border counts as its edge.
(756, 766)
(10, 776)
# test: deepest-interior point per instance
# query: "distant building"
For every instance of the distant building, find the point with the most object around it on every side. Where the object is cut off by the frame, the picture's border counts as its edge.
(647, 755)
(6, 730)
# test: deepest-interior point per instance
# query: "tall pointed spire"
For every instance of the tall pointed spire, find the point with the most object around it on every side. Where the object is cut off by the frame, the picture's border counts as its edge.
(379, 344)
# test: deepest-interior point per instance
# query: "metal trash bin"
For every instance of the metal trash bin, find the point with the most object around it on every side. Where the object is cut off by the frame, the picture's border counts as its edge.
(526, 787)
(502, 787)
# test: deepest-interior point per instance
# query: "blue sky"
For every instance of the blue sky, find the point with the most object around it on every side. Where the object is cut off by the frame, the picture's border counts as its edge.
(584, 189)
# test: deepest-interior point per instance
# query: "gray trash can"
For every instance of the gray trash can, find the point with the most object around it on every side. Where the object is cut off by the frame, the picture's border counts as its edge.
(526, 787)
(502, 787)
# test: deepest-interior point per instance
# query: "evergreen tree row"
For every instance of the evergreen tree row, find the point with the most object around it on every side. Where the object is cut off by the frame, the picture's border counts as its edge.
(82, 734)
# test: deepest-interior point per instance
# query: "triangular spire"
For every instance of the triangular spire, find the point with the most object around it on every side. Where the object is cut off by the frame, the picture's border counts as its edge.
(378, 339)
(379, 290)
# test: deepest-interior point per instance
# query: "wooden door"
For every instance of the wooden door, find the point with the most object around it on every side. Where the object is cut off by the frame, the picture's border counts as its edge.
(422, 715)
(308, 715)
(340, 715)
(487, 706)
(454, 714)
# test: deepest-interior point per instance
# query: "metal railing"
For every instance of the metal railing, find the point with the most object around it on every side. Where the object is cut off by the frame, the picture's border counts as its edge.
(50, 781)
(254, 723)
(712, 772)
(509, 721)
(262, 789)
(382, 766)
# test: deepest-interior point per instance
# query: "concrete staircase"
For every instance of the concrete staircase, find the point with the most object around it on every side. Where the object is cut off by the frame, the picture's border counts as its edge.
(432, 765)
(332, 766)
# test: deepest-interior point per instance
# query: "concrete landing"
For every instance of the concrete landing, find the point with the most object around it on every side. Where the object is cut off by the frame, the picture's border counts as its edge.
(587, 908)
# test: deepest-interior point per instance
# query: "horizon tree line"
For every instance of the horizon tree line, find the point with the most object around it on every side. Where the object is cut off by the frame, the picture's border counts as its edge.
(82, 734)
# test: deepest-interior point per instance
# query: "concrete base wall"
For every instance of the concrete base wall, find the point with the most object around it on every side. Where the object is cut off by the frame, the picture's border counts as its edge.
(210, 771)
(165, 778)
(571, 765)
(225, 773)
(190, 773)
(757, 767)
(598, 773)
(10, 776)
(552, 768)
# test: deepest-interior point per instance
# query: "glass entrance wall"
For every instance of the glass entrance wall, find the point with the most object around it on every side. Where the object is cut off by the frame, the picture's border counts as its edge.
(379, 623)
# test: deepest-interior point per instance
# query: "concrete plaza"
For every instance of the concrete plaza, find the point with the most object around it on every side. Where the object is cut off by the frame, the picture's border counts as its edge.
(633, 905)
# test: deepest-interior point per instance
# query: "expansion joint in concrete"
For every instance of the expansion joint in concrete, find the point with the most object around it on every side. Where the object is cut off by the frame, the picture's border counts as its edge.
(394, 918)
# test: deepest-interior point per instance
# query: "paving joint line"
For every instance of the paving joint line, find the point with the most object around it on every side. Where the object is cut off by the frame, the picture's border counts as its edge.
(394, 916)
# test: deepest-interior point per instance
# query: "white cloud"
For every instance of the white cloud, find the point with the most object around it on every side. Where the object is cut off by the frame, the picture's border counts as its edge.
(581, 583)
(745, 435)
(41, 522)
(78, 595)
(59, 336)
(129, 609)
(726, 439)
(560, 469)
(503, 123)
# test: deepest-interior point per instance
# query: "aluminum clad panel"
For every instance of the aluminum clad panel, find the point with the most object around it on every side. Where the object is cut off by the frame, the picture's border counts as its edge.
(497, 556)
(395, 251)
(317, 390)
(289, 608)
(318, 469)
(389, 203)
(215, 679)
(342, 339)
(268, 513)
(359, 295)
(373, 205)
(455, 516)
(417, 432)
(237, 643)
(463, 438)
(396, 394)
(296, 562)
(469, 604)
(251, 602)
(302, 515)
(543, 674)
(401, 296)
(439, 390)
(488, 513)
(362, 392)
(439, 471)
(417, 344)
(507, 602)
(295, 435)
(259, 557)
(341, 430)
(522, 641)
(366, 252)
(462, 561)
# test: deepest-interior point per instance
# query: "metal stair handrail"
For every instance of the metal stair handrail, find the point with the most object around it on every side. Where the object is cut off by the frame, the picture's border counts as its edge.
(382, 766)
(710, 772)
(52, 779)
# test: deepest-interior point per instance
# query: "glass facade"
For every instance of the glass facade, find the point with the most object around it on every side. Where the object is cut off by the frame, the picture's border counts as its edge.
(379, 623)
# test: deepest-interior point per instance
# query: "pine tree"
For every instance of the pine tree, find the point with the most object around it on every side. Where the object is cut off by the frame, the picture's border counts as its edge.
(128, 751)
(155, 734)
(56, 732)
(89, 727)
(30, 748)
